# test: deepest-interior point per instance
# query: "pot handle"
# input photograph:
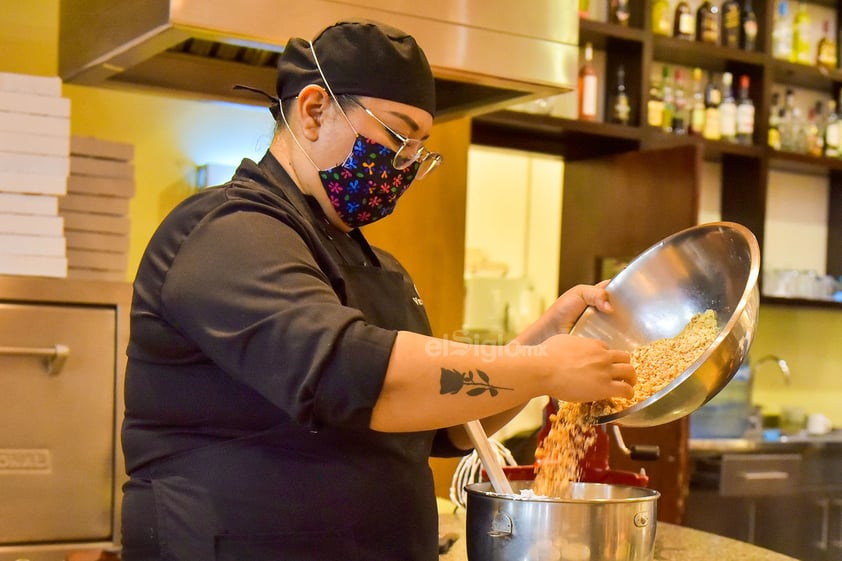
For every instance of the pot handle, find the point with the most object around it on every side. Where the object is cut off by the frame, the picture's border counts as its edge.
(501, 526)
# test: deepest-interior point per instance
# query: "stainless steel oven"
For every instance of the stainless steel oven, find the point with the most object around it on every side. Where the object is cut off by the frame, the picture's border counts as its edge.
(62, 348)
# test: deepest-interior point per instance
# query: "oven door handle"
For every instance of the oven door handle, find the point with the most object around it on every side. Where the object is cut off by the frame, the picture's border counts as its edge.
(54, 357)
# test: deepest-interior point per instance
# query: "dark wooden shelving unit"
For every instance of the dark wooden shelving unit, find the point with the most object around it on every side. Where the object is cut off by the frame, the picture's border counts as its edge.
(745, 168)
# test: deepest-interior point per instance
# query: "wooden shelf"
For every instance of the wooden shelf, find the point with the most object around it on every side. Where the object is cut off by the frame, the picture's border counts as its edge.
(802, 163)
(570, 138)
(601, 35)
(712, 150)
(803, 76)
(575, 139)
(709, 57)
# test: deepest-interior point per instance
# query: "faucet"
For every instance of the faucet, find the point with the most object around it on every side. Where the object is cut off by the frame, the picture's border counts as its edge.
(782, 366)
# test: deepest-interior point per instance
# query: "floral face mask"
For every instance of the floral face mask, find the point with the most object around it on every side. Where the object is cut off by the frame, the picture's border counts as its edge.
(366, 186)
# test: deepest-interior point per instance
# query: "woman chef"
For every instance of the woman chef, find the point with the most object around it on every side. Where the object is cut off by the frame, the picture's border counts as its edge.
(283, 393)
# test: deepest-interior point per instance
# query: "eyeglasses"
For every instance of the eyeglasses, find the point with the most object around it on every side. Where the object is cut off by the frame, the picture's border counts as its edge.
(410, 151)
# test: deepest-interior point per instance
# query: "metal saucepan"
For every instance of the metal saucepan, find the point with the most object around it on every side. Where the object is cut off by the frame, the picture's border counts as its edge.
(596, 522)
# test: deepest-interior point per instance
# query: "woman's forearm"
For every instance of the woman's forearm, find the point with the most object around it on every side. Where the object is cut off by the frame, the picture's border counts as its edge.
(433, 383)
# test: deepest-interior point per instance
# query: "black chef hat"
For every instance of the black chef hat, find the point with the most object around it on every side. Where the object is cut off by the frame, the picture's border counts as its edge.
(360, 57)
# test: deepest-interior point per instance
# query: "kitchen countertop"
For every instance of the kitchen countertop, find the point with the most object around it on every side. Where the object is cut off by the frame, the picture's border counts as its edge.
(672, 543)
(785, 443)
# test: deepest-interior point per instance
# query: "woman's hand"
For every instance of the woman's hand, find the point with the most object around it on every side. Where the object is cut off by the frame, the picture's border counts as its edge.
(585, 369)
(563, 313)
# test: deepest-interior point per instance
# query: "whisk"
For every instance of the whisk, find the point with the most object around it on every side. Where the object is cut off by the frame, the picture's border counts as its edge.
(469, 470)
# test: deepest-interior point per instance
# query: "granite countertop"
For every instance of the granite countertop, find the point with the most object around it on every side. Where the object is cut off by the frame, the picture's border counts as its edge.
(672, 543)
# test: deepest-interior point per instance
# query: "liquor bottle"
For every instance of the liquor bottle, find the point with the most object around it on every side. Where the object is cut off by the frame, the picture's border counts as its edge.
(799, 131)
(748, 27)
(838, 107)
(788, 125)
(620, 108)
(832, 132)
(668, 98)
(826, 49)
(683, 25)
(782, 32)
(655, 105)
(713, 99)
(661, 23)
(728, 109)
(802, 51)
(680, 112)
(731, 24)
(815, 130)
(584, 9)
(697, 105)
(774, 133)
(707, 23)
(588, 86)
(618, 12)
(745, 113)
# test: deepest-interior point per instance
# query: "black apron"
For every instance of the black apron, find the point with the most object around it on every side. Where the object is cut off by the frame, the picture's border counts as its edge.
(293, 494)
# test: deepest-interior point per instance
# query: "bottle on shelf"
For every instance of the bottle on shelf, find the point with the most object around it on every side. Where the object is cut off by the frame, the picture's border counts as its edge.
(787, 125)
(588, 86)
(782, 32)
(713, 99)
(730, 24)
(838, 138)
(668, 98)
(655, 104)
(826, 48)
(584, 9)
(802, 47)
(728, 109)
(832, 132)
(618, 12)
(680, 113)
(620, 108)
(697, 105)
(748, 27)
(745, 113)
(683, 24)
(799, 131)
(815, 130)
(707, 23)
(661, 18)
(774, 132)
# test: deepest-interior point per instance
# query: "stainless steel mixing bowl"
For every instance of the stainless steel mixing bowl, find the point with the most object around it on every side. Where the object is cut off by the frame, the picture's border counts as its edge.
(710, 266)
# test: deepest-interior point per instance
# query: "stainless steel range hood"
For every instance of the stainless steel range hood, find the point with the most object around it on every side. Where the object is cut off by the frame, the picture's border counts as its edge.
(485, 53)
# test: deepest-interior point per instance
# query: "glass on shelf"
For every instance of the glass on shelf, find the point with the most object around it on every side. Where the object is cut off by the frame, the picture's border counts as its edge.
(793, 283)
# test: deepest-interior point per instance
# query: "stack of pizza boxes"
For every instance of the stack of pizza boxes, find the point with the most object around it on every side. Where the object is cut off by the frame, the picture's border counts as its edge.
(96, 208)
(34, 167)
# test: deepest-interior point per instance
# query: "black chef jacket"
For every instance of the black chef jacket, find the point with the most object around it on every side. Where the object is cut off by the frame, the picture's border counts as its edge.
(260, 337)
